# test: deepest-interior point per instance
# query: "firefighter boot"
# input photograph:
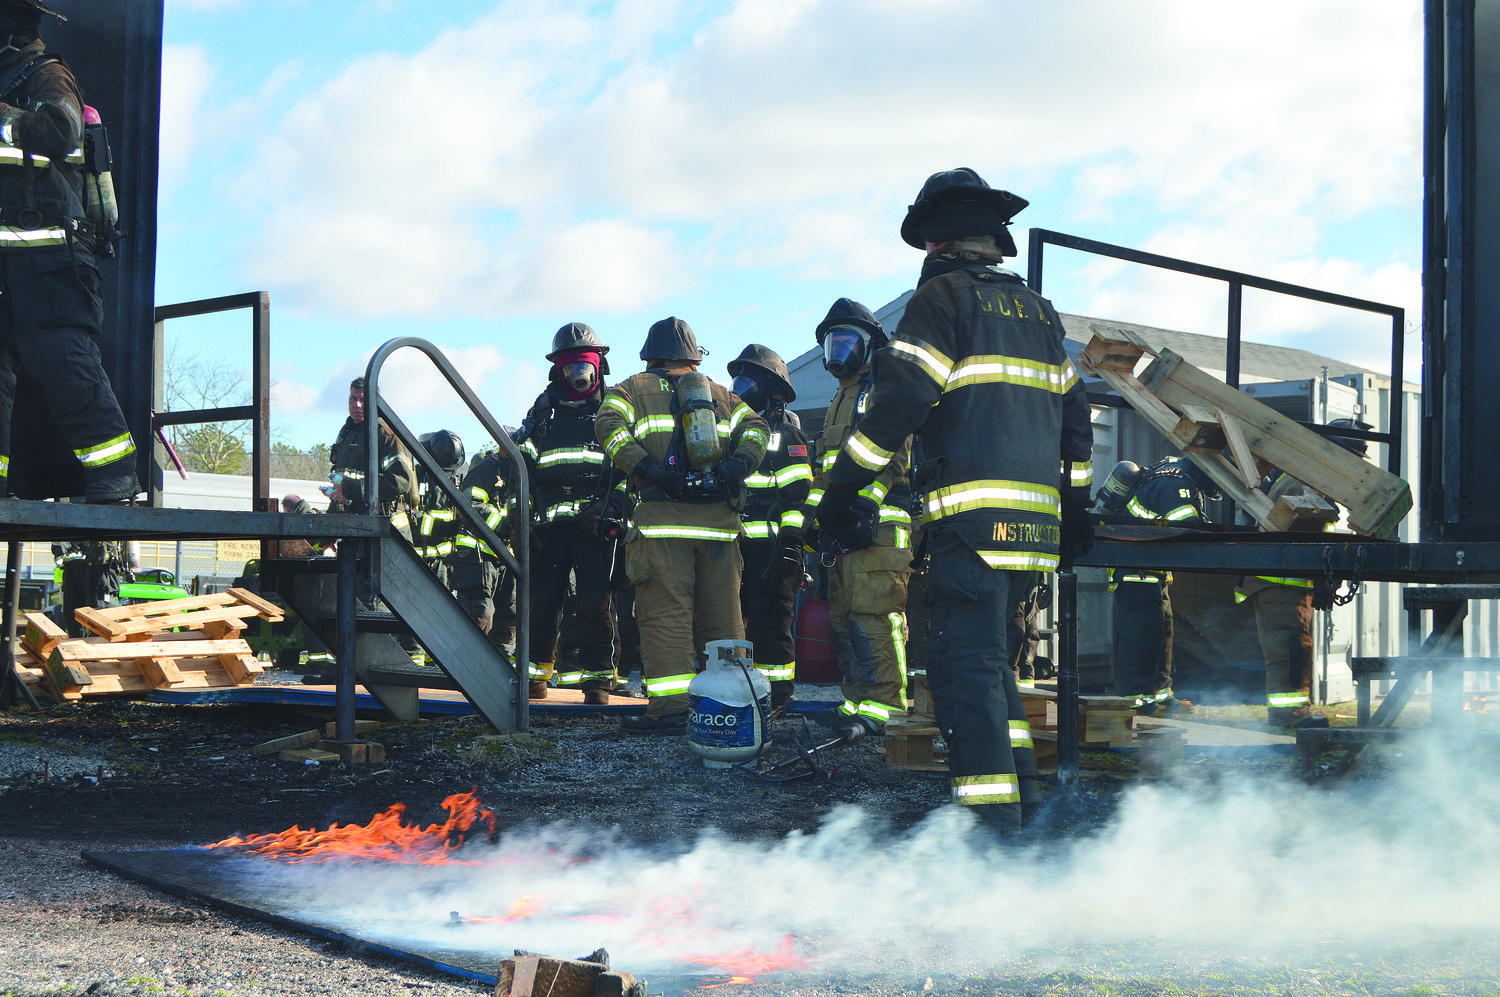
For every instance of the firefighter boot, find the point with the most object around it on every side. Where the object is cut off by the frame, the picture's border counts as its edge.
(595, 694)
(123, 488)
(781, 696)
(537, 689)
(1295, 718)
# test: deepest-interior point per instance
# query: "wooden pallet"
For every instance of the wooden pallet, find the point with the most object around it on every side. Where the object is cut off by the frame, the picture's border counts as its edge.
(1206, 417)
(218, 615)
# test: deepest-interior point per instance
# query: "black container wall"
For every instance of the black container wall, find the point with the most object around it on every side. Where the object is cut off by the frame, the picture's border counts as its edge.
(114, 49)
(1461, 310)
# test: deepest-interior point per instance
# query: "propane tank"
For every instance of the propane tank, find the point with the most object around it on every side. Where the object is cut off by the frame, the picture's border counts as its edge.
(728, 706)
(1118, 486)
(700, 422)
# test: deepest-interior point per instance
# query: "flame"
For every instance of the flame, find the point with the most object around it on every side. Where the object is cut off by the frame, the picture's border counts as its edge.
(384, 838)
(746, 964)
(524, 907)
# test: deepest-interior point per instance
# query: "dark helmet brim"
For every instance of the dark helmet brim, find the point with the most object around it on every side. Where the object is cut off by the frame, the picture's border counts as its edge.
(847, 311)
(765, 362)
(35, 5)
(958, 211)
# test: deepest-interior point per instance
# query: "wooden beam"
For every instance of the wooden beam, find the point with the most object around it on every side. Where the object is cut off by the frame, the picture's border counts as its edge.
(1239, 447)
(1114, 348)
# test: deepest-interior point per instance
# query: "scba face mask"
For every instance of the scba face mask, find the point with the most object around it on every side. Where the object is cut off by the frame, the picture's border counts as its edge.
(844, 349)
(751, 392)
(580, 377)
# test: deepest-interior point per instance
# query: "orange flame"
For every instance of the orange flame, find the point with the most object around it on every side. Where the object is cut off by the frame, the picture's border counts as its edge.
(524, 907)
(384, 838)
(746, 964)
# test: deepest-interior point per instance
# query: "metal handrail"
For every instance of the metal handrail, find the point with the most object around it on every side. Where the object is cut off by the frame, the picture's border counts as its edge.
(518, 561)
(258, 412)
(1237, 282)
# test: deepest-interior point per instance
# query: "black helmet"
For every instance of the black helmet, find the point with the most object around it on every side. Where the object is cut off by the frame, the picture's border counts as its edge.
(1354, 446)
(957, 204)
(847, 311)
(446, 448)
(12, 9)
(766, 363)
(671, 339)
(577, 336)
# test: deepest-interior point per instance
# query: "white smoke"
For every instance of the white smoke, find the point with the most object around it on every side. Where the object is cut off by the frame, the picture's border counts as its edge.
(1259, 867)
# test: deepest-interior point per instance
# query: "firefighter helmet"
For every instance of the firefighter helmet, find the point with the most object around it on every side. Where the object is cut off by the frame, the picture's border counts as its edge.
(767, 363)
(446, 448)
(956, 204)
(1351, 444)
(671, 339)
(577, 336)
(847, 311)
(26, 7)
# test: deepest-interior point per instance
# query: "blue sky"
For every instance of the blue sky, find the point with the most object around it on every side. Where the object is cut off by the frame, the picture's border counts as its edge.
(479, 173)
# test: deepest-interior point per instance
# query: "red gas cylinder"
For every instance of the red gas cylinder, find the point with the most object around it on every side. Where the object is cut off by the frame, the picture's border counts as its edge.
(816, 662)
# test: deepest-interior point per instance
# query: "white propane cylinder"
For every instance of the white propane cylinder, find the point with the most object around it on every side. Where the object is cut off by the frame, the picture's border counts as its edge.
(727, 705)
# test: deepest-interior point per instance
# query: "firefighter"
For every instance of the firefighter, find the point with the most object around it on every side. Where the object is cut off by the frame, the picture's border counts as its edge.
(438, 526)
(868, 557)
(91, 571)
(51, 308)
(397, 488)
(1172, 490)
(771, 546)
(1284, 613)
(680, 552)
(484, 586)
(977, 365)
(578, 518)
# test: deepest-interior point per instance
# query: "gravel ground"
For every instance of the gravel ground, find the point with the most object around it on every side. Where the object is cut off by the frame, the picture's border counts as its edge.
(122, 776)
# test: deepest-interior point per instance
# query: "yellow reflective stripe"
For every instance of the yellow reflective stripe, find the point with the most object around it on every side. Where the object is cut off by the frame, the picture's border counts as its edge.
(757, 529)
(528, 448)
(569, 678)
(753, 433)
(653, 424)
(868, 454)
(668, 685)
(11, 235)
(687, 533)
(971, 790)
(777, 673)
(936, 365)
(478, 495)
(875, 491)
(875, 711)
(1019, 560)
(107, 452)
(898, 641)
(616, 440)
(620, 405)
(1020, 734)
(1299, 582)
(11, 156)
(890, 514)
(1081, 474)
(1010, 370)
(740, 414)
(536, 671)
(814, 496)
(848, 708)
(992, 493)
(1285, 699)
(570, 507)
(793, 472)
(792, 517)
(570, 457)
(903, 537)
(4, 466)
(760, 481)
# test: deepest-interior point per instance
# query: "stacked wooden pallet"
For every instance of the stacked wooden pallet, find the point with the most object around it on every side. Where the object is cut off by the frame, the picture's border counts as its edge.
(193, 643)
(1111, 734)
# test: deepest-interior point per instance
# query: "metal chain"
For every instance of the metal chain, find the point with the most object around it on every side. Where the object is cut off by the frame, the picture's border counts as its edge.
(1355, 581)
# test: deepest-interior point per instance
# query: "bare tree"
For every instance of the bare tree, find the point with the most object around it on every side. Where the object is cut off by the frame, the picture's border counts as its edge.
(192, 381)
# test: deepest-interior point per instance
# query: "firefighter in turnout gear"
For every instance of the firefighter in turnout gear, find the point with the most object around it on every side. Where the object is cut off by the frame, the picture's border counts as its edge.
(1284, 614)
(397, 488)
(483, 585)
(437, 528)
(977, 365)
(867, 551)
(773, 516)
(688, 445)
(51, 306)
(578, 507)
(1172, 491)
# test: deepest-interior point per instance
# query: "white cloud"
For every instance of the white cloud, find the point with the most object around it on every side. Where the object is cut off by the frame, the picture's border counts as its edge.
(185, 79)
(548, 158)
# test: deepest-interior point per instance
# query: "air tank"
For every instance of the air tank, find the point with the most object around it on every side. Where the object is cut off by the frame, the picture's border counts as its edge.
(729, 706)
(700, 422)
(1117, 487)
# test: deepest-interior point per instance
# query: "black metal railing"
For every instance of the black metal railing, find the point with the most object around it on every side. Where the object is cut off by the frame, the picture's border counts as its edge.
(257, 413)
(519, 560)
(1236, 283)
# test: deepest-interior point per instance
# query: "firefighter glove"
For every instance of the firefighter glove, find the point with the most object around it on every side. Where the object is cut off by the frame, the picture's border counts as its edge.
(836, 512)
(1322, 595)
(789, 557)
(735, 468)
(1077, 537)
(654, 474)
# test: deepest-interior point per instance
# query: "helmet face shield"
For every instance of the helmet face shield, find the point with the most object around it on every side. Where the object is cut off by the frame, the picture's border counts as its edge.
(581, 376)
(844, 349)
(751, 392)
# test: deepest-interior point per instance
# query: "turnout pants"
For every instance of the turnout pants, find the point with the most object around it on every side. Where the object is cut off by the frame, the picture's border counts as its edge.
(768, 605)
(686, 594)
(1143, 641)
(970, 648)
(1283, 621)
(867, 625)
(564, 548)
(50, 316)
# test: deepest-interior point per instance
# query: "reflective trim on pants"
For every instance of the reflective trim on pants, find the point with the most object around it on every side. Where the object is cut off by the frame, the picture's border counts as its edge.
(975, 790)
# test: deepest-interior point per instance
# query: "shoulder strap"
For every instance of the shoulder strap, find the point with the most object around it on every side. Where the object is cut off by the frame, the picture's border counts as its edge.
(20, 73)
